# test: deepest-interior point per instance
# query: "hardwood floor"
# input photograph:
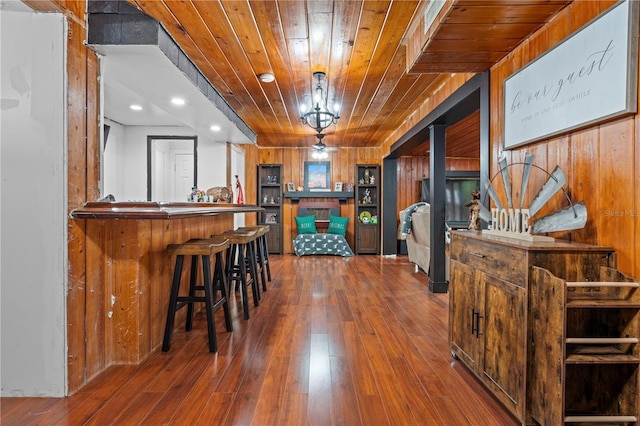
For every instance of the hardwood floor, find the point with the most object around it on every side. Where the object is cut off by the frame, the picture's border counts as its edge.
(335, 341)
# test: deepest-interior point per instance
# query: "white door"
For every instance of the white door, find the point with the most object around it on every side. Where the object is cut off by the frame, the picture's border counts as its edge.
(172, 168)
(183, 182)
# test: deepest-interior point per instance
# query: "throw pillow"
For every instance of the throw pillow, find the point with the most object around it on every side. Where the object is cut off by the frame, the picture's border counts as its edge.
(337, 225)
(306, 224)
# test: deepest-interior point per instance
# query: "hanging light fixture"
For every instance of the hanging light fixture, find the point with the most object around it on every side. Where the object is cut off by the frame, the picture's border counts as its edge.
(319, 145)
(320, 152)
(319, 118)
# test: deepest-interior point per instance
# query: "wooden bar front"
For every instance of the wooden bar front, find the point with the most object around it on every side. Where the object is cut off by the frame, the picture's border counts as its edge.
(128, 272)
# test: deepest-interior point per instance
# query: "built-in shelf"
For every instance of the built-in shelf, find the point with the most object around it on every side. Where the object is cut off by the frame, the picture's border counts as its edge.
(367, 213)
(296, 195)
(269, 193)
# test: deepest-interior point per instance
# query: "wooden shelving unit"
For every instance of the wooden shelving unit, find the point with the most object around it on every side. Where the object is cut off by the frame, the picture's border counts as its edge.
(592, 376)
(270, 199)
(367, 193)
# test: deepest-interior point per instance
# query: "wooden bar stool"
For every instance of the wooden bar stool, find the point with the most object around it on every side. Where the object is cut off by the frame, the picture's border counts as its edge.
(262, 252)
(265, 250)
(199, 248)
(240, 265)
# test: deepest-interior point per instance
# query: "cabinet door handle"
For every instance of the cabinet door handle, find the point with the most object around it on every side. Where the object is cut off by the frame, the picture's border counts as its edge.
(473, 321)
(478, 316)
(481, 256)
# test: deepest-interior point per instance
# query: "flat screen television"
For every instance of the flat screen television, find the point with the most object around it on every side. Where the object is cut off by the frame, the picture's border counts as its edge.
(458, 188)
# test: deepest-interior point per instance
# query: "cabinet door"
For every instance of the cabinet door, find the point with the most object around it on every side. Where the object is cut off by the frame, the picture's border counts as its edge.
(504, 330)
(464, 313)
(367, 239)
(274, 243)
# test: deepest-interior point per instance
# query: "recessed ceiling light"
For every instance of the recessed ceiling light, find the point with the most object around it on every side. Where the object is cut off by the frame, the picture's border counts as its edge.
(215, 128)
(177, 101)
(135, 107)
(267, 77)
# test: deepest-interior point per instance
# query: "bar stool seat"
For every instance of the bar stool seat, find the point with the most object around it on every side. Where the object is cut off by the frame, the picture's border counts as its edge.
(262, 253)
(204, 249)
(239, 268)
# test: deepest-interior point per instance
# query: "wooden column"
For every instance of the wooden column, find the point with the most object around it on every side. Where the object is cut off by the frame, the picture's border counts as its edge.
(390, 200)
(437, 141)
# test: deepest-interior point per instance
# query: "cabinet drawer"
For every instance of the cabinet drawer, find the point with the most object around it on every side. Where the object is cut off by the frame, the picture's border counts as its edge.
(506, 263)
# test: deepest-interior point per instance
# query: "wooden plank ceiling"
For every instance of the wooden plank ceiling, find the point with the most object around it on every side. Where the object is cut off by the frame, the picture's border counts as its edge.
(463, 139)
(360, 45)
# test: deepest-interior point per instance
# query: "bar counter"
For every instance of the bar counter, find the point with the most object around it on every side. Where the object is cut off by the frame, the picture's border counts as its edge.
(157, 210)
(127, 276)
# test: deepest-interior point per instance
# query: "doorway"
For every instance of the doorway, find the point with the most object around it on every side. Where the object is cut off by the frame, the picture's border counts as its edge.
(172, 167)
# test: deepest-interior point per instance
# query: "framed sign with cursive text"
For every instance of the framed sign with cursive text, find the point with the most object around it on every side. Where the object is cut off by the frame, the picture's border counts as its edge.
(590, 77)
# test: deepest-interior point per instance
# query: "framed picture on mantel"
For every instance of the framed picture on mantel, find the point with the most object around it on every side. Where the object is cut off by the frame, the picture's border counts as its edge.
(317, 176)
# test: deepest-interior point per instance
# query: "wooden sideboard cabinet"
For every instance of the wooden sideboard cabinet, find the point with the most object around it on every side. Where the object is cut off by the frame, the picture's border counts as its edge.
(489, 305)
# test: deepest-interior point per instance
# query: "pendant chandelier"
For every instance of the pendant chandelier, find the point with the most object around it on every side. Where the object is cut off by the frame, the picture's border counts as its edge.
(319, 117)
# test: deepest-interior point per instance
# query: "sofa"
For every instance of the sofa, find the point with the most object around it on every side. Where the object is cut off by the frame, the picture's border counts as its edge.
(416, 230)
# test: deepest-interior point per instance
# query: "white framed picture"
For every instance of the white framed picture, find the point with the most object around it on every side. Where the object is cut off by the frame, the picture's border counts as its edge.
(589, 77)
(337, 187)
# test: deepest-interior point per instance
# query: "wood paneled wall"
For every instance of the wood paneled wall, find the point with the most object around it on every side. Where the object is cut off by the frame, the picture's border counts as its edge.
(411, 171)
(602, 162)
(250, 187)
(343, 162)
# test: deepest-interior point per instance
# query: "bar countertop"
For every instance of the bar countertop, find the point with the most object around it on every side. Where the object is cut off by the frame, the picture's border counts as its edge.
(157, 210)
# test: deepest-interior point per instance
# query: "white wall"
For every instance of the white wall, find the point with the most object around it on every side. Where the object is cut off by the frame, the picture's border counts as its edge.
(112, 179)
(33, 211)
(125, 160)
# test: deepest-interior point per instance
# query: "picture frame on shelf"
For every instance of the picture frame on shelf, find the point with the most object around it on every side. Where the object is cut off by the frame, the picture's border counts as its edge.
(271, 218)
(291, 187)
(337, 187)
(348, 187)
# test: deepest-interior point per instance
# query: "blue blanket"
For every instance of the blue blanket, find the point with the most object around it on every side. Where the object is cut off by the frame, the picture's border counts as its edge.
(406, 220)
